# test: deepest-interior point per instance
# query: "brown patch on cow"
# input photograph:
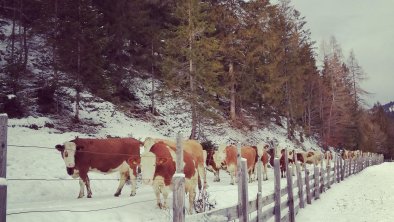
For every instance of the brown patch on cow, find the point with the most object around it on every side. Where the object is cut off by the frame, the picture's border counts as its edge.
(166, 169)
(310, 154)
(300, 158)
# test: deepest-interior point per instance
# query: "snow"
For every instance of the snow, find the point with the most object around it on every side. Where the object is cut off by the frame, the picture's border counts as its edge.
(55, 196)
(11, 96)
(367, 196)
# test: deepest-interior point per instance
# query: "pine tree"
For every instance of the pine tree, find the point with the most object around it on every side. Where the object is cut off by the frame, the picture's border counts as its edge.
(82, 39)
(188, 63)
(228, 15)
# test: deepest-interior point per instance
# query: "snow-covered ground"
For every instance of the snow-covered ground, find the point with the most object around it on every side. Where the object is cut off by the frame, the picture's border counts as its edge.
(367, 196)
(39, 188)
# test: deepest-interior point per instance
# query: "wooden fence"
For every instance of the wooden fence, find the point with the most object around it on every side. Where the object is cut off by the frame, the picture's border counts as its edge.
(298, 192)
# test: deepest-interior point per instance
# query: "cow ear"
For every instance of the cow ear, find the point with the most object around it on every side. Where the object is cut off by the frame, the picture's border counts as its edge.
(161, 160)
(59, 147)
(80, 147)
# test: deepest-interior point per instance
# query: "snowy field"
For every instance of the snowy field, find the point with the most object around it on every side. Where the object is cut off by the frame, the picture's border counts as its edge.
(39, 188)
(365, 197)
(55, 196)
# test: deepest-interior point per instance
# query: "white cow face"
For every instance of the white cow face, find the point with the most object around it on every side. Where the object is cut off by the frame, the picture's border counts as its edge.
(220, 156)
(148, 143)
(68, 151)
(148, 167)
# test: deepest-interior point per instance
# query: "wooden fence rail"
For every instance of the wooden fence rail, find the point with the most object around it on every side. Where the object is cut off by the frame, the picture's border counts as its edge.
(309, 187)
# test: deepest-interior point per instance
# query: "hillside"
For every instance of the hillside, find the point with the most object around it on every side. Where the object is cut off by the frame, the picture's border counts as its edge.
(39, 188)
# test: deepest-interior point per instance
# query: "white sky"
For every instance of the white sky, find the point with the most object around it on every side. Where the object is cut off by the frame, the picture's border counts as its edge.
(367, 27)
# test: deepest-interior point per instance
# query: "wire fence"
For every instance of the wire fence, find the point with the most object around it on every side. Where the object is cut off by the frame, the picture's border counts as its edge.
(80, 211)
(137, 179)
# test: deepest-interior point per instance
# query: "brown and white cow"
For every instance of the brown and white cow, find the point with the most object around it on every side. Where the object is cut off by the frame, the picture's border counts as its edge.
(346, 154)
(226, 158)
(328, 157)
(280, 153)
(100, 155)
(313, 157)
(193, 147)
(158, 166)
(264, 157)
(211, 165)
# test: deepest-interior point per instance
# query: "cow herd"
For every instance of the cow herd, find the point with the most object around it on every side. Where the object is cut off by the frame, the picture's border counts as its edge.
(155, 159)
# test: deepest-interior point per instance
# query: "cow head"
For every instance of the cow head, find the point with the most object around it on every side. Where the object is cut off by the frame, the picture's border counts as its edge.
(148, 167)
(68, 151)
(148, 143)
(219, 157)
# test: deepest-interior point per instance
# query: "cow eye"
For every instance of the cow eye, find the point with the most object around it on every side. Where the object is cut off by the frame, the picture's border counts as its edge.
(65, 154)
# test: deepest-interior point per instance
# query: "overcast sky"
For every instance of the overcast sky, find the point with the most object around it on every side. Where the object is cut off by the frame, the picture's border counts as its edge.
(365, 26)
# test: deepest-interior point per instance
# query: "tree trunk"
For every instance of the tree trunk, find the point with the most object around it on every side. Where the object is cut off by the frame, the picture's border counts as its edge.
(13, 35)
(78, 85)
(191, 80)
(153, 81)
(233, 115)
(54, 45)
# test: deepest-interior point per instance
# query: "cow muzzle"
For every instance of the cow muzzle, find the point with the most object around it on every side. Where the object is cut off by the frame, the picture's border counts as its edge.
(70, 170)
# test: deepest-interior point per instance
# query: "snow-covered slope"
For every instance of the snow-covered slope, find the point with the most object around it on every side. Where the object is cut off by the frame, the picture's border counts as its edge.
(38, 181)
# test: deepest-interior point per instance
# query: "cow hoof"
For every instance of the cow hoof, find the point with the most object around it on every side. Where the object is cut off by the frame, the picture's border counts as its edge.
(116, 194)
(159, 205)
(79, 197)
(89, 196)
(133, 193)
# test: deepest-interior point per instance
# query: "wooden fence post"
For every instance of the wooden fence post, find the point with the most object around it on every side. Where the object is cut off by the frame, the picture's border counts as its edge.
(342, 169)
(317, 182)
(243, 183)
(290, 196)
(277, 190)
(307, 187)
(322, 187)
(354, 166)
(178, 181)
(350, 167)
(328, 176)
(238, 177)
(259, 193)
(300, 186)
(338, 172)
(335, 169)
(3, 167)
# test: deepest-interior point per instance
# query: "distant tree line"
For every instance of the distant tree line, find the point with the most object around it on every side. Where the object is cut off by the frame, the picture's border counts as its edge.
(240, 57)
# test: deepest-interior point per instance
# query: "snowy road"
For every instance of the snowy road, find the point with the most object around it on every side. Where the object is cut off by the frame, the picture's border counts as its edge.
(367, 196)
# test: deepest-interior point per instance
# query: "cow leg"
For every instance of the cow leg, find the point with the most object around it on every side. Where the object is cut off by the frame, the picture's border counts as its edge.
(216, 178)
(192, 197)
(83, 174)
(87, 184)
(265, 175)
(157, 193)
(133, 181)
(233, 177)
(81, 188)
(201, 172)
(165, 191)
(122, 181)
(293, 168)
